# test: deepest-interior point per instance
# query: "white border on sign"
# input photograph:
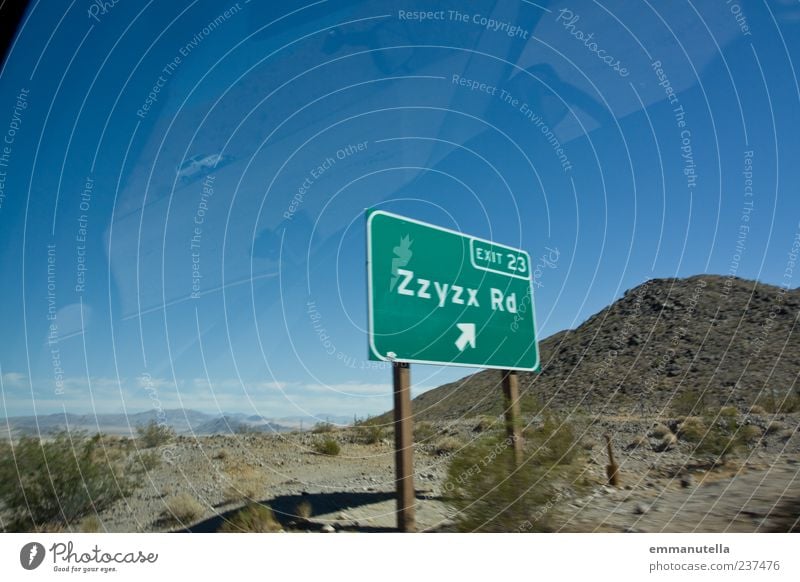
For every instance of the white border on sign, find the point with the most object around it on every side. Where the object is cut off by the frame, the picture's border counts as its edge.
(374, 349)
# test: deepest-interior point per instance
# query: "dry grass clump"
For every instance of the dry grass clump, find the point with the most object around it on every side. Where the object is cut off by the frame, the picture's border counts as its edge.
(245, 483)
(254, 518)
(659, 431)
(692, 429)
(750, 433)
(637, 442)
(304, 510)
(154, 434)
(777, 403)
(690, 402)
(183, 508)
(55, 483)
(323, 427)
(370, 431)
(424, 432)
(490, 493)
(774, 426)
(447, 445)
(327, 446)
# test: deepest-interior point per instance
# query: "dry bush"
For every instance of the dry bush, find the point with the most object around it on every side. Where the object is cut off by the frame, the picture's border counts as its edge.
(327, 446)
(90, 524)
(304, 510)
(447, 445)
(424, 432)
(777, 403)
(774, 426)
(55, 483)
(254, 518)
(491, 494)
(750, 433)
(246, 483)
(659, 431)
(323, 427)
(149, 460)
(689, 402)
(668, 442)
(692, 429)
(370, 431)
(485, 423)
(715, 436)
(637, 442)
(757, 410)
(154, 434)
(183, 508)
(221, 455)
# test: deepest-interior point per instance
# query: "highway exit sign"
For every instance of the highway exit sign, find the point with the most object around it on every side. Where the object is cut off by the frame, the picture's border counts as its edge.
(437, 296)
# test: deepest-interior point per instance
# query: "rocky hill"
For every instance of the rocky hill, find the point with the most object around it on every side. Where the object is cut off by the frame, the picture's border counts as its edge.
(182, 421)
(726, 340)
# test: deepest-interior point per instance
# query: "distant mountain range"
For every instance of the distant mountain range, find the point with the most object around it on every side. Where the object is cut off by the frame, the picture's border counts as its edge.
(728, 339)
(183, 421)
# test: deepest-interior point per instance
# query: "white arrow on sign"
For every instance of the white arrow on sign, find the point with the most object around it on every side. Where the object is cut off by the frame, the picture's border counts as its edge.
(467, 336)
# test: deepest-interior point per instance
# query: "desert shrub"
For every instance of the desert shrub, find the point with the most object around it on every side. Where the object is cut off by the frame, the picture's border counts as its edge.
(491, 494)
(149, 460)
(750, 433)
(424, 432)
(637, 441)
(327, 446)
(689, 402)
(249, 490)
(774, 426)
(692, 429)
(779, 403)
(530, 405)
(447, 445)
(667, 442)
(254, 518)
(183, 508)
(659, 431)
(304, 510)
(722, 435)
(221, 455)
(154, 434)
(485, 423)
(245, 483)
(758, 410)
(54, 483)
(90, 524)
(323, 427)
(370, 431)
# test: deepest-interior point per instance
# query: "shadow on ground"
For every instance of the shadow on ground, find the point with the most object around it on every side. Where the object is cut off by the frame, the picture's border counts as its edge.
(285, 509)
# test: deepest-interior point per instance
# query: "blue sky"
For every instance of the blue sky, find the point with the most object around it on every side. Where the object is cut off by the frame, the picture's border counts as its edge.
(610, 138)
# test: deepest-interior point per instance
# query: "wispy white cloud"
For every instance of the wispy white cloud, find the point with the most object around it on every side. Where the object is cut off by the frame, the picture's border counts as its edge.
(14, 379)
(349, 388)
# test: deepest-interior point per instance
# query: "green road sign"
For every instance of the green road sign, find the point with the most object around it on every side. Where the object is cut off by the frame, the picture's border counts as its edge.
(437, 296)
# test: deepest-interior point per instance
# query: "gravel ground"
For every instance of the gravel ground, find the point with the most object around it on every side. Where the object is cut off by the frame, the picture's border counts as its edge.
(670, 491)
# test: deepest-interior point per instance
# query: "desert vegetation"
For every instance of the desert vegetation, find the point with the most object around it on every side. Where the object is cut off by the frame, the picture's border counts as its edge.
(57, 482)
(491, 493)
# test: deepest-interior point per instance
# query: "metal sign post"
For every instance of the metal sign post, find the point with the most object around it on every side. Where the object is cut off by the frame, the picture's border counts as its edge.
(511, 399)
(404, 447)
